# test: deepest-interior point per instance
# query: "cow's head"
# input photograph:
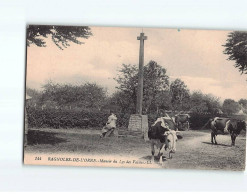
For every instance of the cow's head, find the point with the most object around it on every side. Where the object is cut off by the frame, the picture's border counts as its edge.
(241, 125)
(172, 137)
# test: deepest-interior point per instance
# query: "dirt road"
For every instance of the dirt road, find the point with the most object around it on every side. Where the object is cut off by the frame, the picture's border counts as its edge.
(197, 152)
(194, 151)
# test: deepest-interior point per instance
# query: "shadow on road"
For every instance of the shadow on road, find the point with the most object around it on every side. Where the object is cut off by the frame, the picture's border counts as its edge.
(217, 144)
(41, 137)
(156, 158)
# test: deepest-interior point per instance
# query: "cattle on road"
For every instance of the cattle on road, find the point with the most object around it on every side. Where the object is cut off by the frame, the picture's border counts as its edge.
(182, 121)
(234, 127)
(163, 137)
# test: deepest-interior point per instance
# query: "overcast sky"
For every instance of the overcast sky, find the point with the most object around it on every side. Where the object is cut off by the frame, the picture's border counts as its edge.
(195, 56)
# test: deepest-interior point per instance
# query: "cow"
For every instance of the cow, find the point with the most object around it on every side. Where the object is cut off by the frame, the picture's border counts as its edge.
(181, 120)
(234, 127)
(163, 137)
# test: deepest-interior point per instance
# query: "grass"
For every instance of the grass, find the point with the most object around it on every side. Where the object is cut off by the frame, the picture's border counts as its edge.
(194, 151)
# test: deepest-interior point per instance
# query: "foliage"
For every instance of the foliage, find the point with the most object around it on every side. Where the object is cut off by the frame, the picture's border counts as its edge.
(155, 83)
(204, 103)
(35, 94)
(243, 104)
(236, 48)
(89, 95)
(198, 120)
(128, 81)
(120, 101)
(162, 101)
(52, 118)
(179, 95)
(230, 106)
(60, 35)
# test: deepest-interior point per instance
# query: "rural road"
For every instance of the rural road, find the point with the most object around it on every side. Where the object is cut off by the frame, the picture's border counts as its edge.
(194, 151)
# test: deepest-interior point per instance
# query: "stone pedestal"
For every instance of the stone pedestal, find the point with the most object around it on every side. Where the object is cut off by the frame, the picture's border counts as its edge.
(138, 125)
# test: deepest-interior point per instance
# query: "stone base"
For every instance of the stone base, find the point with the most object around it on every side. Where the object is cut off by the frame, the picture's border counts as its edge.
(138, 124)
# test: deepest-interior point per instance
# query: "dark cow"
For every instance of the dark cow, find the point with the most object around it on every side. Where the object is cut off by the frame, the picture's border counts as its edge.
(163, 137)
(234, 127)
(182, 120)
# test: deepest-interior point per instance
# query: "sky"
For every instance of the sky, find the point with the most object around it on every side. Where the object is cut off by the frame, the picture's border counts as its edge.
(194, 56)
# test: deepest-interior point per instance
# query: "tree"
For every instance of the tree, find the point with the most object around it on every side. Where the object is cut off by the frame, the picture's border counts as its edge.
(230, 106)
(197, 103)
(89, 95)
(180, 94)
(155, 82)
(60, 35)
(204, 103)
(128, 81)
(236, 48)
(120, 101)
(35, 96)
(212, 102)
(162, 101)
(243, 104)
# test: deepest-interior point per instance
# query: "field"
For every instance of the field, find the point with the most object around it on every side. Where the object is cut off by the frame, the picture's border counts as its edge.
(194, 151)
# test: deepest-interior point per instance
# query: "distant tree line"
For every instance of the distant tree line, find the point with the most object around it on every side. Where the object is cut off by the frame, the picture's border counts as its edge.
(159, 93)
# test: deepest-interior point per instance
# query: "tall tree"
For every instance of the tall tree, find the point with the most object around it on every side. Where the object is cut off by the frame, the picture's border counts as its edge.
(204, 103)
(127, 79)
(212, 102)
(62, 36)
(230, 106)
(180, 94)
(236, 48)
(197, 103)
(155, 82)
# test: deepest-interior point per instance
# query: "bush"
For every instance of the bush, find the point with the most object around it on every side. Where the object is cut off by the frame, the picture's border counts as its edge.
(52, 118)
(197, 121)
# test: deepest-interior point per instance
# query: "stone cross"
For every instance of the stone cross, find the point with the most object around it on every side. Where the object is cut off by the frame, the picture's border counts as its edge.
(140, 74)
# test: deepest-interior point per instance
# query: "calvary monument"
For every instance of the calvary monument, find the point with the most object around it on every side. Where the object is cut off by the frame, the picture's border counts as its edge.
(138, 123)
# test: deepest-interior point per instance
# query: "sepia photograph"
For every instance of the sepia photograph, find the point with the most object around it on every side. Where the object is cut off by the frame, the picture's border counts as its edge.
(135, 97)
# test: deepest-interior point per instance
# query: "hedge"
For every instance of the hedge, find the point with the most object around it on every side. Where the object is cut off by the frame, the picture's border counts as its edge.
(52, 118)
(198, 121)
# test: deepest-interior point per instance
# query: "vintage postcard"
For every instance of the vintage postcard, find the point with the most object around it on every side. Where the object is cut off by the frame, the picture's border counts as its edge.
(135, 97)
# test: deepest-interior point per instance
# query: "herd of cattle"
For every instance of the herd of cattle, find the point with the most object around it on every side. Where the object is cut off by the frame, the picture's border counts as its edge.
(164, 132)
